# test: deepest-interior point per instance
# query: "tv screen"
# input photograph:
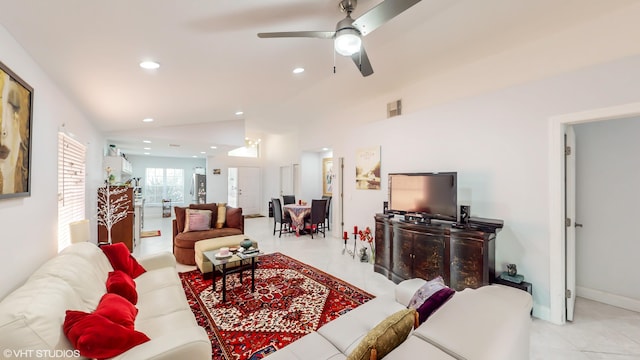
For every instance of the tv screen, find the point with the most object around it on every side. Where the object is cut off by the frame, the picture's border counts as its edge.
(431, 194)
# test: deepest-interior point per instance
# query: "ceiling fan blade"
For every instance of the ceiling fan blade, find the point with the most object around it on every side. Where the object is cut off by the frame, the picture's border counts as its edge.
(305, 34)
(380, 14)
(362, 62)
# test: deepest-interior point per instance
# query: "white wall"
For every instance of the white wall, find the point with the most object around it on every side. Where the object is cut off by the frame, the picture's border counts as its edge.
(29, 224)
(499, 145)
(310, 176)
(217, 185)
(140, 163)
(606, 199)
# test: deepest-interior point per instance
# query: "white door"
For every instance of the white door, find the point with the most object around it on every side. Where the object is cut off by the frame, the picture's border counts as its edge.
(570, 218)
(286, 180)
(232, 191)
(249, 190)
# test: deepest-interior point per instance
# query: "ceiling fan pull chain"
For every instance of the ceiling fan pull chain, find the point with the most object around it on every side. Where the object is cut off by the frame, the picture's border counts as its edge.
(334, 62)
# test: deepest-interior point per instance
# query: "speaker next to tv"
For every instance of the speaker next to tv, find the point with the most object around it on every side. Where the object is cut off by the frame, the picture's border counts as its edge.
(385, 207)
(465, 214)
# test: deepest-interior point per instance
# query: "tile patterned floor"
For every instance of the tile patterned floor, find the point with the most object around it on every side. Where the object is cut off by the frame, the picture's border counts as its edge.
(599, 331)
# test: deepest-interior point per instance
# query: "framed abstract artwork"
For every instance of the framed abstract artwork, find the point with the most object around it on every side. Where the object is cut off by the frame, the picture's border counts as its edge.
(16, 102)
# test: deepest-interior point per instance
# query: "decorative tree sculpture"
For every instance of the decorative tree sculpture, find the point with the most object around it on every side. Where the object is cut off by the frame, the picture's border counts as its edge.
(112, 205)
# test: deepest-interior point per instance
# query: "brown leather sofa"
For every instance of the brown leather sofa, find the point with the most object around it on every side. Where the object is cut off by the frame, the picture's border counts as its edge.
(184, 242)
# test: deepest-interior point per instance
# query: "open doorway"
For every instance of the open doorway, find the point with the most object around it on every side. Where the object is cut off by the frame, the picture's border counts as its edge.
(557, 215)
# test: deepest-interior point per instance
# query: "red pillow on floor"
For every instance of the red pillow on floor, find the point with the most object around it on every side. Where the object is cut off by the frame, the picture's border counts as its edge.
(95, 336)
(120, 258)
(117, 309)
(119, 282)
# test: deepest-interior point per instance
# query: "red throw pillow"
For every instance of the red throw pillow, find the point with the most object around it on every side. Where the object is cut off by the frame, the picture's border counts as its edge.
(117, 309)
(120, 258)
(119, 282)
(95, 336)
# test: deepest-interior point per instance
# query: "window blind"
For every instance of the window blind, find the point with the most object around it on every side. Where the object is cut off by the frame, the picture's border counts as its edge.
(71, 186)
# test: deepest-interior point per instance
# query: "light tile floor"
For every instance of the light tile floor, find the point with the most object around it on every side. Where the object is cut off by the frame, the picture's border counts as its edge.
(599, 331)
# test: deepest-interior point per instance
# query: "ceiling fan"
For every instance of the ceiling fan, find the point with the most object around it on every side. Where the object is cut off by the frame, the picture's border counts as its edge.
(349, 32)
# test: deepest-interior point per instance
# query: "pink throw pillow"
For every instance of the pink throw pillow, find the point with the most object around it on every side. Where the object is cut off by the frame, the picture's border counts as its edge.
(197, 220)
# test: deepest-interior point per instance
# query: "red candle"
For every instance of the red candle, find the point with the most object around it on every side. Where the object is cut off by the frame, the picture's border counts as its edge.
(345, 235)
(355, 229)
(299, 202)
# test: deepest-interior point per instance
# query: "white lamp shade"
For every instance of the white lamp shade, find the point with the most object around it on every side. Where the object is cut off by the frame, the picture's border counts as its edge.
(79, 231)
(347, 42)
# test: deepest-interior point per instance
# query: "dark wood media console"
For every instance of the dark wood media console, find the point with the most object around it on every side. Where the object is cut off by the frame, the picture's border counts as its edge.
(463, 255)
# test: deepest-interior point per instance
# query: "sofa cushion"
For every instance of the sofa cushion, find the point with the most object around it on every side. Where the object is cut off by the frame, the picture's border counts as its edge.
(310, 346)
(197, 220)
(385, 337)
(346, 332)
(120, 258)
(31, 317)
(222, 215)
(415, 347)
(493, 320)
(98, 337)
(117, 309)
(78, 273)
(213, 207)
(122, 284)
(156, 279)
(180, 214)
(187, 240)
(234, 217)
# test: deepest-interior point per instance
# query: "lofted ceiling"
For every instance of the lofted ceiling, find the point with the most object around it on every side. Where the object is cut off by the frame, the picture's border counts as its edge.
(213, 64)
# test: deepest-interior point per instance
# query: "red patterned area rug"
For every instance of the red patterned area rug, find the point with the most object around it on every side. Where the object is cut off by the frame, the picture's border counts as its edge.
(291, 300)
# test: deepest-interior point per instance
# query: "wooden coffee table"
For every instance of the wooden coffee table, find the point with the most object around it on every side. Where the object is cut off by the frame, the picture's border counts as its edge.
(245, 262)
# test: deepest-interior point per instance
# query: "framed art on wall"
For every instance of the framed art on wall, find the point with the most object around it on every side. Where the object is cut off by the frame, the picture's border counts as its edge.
(16, 102)
(368, 168)
(328, 176)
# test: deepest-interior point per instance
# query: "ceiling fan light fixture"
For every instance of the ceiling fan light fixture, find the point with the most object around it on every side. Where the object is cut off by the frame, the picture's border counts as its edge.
(347, 42)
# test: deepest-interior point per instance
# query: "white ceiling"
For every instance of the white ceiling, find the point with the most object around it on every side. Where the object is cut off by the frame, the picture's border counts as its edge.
(213, 64)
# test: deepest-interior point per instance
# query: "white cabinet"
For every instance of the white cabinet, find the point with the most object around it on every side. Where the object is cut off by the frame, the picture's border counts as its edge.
(120, 167)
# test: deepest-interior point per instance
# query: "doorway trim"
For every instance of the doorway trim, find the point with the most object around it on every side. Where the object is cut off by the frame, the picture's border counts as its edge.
(557, 250)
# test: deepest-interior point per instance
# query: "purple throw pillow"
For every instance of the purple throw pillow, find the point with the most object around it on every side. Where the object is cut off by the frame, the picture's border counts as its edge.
(433, 303)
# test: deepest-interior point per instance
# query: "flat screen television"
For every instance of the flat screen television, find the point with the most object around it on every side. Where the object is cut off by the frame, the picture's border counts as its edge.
(433, 195)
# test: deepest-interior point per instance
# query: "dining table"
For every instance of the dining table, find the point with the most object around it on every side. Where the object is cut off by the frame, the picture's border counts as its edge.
(299, 213)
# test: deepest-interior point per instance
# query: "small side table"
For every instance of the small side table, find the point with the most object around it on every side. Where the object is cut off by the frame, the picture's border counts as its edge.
(526, 286)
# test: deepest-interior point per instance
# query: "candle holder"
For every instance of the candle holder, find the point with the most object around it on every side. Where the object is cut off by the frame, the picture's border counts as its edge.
(355, 242)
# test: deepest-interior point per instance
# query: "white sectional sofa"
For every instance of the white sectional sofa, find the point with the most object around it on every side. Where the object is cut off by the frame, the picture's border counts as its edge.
(31, 317)
(488, 323)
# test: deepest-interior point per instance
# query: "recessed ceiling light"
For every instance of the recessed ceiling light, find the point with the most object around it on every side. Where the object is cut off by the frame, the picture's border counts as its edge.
(325, 149)
(147, 148)
(214, 147)
(147, 120)
(239, 113)
(146, 141)
(203, 152)
(147, 153)
(149, 65)
(195, 156)
(298, 70)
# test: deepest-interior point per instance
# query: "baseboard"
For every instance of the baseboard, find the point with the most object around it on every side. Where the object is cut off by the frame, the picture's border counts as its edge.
(608, 298)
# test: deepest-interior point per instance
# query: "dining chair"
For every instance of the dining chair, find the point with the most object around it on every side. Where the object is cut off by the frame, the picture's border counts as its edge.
(278, 218)
(327, 222)
(318, 216)
(288, 199)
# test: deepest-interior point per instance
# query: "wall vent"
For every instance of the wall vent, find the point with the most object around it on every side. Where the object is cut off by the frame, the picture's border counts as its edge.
(394, 108)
